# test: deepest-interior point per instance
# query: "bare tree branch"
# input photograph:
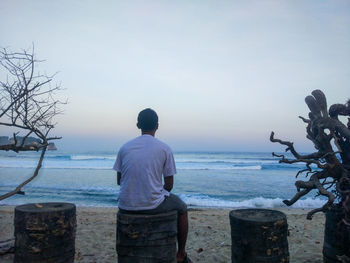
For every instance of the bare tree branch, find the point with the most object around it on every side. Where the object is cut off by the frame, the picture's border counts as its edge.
(36, 172)
(27, 104)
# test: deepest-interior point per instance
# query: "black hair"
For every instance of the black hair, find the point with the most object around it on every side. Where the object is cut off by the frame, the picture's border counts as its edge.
(147, 120)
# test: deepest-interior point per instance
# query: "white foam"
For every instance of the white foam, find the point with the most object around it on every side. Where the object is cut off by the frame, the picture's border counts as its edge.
(258, 202)
(227, 161)
(55, 167)
(255, 167)
(91, 157)
(95, 165)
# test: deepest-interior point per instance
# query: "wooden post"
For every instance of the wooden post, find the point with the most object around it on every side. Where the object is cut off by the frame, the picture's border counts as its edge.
(259, 236)
(45, 232)
(146, 238)
(336, 243)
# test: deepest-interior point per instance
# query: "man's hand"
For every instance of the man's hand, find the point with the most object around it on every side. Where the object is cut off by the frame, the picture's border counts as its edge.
(119, 176)
(168, 183)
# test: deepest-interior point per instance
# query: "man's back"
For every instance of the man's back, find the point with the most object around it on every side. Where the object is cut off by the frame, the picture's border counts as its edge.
(140, 165)
(142, 162)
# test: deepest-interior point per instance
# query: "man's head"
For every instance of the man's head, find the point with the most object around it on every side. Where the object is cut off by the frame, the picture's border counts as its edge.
(147, 120)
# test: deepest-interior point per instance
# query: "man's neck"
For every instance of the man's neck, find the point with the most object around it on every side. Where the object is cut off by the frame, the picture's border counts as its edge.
(152, 133)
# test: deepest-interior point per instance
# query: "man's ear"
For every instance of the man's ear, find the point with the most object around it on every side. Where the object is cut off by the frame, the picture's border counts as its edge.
(138, 126)
(157, 126)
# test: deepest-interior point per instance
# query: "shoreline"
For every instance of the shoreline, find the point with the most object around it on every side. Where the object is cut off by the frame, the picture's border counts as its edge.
(209, 238)
(189, 207)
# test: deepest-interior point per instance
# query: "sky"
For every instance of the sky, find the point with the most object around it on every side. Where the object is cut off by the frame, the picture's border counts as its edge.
(220, 74)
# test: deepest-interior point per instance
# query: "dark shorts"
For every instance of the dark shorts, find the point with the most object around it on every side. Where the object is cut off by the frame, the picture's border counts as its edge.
(170, 203)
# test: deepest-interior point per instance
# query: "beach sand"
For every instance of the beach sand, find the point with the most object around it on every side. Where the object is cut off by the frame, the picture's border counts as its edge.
(209, 238)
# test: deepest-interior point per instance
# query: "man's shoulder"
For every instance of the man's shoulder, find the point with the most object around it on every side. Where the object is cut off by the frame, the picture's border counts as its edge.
(146, 140)
(128, 144)
(162, 144)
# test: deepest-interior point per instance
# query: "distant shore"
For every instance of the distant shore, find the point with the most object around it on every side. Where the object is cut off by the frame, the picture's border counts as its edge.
(209, 237)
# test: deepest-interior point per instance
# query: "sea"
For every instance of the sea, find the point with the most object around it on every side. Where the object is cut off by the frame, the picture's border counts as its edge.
(203, 179)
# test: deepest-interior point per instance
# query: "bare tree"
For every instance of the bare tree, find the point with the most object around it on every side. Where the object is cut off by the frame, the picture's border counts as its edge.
(27, 105)
(328, 168)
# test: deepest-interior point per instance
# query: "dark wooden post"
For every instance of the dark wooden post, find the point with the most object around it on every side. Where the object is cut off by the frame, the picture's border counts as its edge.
(336, 236)
(259, 236)
(45, 232)
(146, 238)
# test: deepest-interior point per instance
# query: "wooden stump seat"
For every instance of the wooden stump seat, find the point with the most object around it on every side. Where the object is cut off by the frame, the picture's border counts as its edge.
(45, 232)
(336, 244)
(146, 238)
(259, 236)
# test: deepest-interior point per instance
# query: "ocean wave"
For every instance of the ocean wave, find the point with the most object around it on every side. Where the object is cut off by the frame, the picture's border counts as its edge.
(256, 167)
(60, 157)
(105, 161)
(36, 155)
(42, 188)
(282, 166)
(104, 195)
(230, 161)
(258, 202)
(25, 166)
(110, 198)
(92, 157)
(30, 166)
(184, 158)
(101, 166)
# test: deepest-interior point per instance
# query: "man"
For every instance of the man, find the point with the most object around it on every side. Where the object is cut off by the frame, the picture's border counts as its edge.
(141, 164)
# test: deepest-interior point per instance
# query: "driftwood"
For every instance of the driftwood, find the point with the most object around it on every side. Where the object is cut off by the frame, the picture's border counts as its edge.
(328, 169)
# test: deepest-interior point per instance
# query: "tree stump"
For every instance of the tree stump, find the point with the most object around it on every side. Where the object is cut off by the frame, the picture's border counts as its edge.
(336, 243)
(146, 238)
(45, 232)
(259, 236)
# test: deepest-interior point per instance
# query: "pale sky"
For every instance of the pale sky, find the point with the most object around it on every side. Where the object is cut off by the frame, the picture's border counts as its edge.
(221, 74)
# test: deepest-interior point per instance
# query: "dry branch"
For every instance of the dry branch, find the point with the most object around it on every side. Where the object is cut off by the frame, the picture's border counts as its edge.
(27, 105)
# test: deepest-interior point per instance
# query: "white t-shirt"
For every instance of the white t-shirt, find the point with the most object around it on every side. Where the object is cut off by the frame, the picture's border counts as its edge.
(142, 162)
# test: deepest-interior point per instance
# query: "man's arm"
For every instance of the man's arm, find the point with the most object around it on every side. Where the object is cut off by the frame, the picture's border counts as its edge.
(119, 176)
(168, 183)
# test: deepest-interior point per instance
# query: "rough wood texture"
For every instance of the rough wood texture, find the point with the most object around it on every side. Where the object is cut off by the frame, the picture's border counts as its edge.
(146, 238)
(259, 236)
(336, 245)
(45, 232)
(7, 246)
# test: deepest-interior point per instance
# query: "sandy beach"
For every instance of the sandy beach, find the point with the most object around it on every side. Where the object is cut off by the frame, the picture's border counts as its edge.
(209, 237)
